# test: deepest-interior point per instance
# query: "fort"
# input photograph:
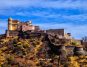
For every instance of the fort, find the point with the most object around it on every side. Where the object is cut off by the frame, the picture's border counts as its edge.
(55, 37)
(14, 26)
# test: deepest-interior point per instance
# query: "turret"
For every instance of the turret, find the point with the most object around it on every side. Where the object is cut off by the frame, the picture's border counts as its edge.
(9, 23)
(10, 19)
(79, 51)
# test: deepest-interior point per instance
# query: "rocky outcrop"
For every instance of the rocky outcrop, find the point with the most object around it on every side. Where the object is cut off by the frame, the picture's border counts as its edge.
(79, 51)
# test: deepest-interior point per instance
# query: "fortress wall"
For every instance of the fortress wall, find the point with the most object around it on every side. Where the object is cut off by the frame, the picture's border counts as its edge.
(56, 31)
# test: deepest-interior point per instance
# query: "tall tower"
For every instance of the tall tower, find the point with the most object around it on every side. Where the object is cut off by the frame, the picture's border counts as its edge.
(9, 23)
(12, 28)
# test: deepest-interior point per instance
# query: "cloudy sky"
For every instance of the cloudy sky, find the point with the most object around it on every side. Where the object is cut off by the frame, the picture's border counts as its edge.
(68, 14)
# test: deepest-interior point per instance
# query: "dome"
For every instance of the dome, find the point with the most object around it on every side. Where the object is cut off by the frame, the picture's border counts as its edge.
(29, 22)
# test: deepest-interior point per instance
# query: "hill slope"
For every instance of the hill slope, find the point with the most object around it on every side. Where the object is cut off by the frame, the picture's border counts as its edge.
(34, 52)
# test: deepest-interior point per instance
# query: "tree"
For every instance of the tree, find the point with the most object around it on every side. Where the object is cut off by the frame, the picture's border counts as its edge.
(84, 42)
(75, 43)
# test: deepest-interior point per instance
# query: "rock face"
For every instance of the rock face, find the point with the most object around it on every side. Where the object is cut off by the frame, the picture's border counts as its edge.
(39, 47)
(69, 50)
(62, 49)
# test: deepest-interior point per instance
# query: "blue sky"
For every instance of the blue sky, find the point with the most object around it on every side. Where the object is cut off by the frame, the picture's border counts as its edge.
(68, 14)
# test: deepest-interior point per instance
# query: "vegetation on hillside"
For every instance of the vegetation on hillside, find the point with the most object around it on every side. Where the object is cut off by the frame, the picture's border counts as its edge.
(34, 52)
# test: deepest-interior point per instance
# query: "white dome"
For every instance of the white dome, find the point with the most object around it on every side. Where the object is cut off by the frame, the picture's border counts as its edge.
(29, 22)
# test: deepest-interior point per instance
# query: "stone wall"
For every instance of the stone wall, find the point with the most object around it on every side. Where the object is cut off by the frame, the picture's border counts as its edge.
(56, 31)
(11, 33)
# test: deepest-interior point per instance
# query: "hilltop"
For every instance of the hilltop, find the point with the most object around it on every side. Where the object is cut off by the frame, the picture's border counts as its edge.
(38, 51)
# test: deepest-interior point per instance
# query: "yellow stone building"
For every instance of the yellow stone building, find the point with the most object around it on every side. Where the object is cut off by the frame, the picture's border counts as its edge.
(12, 24)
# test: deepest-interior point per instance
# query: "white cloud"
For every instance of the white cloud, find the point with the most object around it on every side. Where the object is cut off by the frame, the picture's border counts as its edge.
(42, 3)
(78, 17)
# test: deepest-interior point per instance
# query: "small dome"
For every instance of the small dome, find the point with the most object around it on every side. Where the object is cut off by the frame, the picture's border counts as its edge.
(29, 22)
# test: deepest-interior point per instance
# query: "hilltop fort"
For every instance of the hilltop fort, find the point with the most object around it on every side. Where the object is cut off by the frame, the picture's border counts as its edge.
(26, 45)
(14, 26)
(56, 36)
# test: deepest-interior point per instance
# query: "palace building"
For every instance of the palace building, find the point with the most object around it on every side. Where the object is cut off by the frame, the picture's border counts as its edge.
(14, 26)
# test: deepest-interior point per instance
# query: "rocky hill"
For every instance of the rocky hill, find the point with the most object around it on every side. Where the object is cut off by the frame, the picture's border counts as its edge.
(40, 50)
